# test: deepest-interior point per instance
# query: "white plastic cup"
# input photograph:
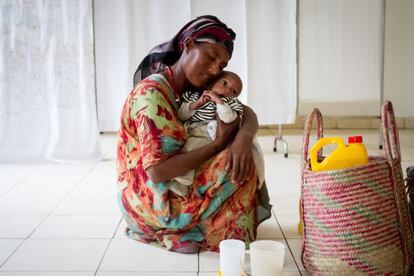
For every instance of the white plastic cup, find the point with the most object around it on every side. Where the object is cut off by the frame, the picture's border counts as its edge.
(267, 258)
(231, 257)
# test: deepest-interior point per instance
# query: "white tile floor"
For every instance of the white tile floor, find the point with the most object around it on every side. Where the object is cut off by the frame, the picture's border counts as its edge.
(64, 220)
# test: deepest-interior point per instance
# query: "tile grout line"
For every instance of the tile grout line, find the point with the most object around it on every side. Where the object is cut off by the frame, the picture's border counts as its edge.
(23, 180)
(24, 239)
(44, 271)
(47, 215)
(116, 229)
(63, 198)
(61, 238)
(198, 262)
(14, 251)
(51, 211)
(103, 256)
(287, 243)
(107, 247)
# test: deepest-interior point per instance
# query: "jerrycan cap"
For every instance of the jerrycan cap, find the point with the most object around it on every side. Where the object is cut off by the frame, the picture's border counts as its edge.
(354, 139)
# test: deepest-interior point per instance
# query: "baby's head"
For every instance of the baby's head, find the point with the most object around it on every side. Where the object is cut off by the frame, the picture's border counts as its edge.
(227, 84)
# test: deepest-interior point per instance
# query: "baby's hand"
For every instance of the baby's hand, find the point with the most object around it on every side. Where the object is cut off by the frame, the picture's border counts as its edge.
(200, 102)
(213, 96)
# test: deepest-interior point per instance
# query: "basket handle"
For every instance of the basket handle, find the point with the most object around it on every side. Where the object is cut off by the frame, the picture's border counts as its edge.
(316, 114)
(389, 128)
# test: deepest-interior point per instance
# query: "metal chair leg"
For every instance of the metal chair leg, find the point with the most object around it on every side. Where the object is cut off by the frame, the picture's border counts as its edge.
(380, 146)
(283, 141)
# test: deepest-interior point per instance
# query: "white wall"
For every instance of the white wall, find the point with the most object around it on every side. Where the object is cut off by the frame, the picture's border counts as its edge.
(327, 66)
(399, 56)
(339, 56)
(124, 30)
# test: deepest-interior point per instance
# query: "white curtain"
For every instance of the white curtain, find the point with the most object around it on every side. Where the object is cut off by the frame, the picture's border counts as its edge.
(271, 55)
(264, 55)
(47, 82)
(339, 56)
(125, 30)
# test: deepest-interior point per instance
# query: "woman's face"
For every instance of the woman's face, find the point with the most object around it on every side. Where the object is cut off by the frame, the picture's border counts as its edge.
(204, 61)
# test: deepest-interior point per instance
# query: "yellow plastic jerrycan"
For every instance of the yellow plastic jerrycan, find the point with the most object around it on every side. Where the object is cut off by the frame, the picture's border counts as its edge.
(344, 156)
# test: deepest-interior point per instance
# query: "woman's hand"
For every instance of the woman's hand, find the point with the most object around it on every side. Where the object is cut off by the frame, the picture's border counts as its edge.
(240, 158)
(225, 133)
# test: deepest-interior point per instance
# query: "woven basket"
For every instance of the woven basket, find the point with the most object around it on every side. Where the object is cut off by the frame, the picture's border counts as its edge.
(356, 220)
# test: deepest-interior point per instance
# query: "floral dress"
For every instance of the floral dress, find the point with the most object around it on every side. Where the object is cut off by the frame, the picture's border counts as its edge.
(214, 209)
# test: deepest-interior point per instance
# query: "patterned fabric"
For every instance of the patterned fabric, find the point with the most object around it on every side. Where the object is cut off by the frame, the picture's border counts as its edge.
(213, 210)
(207, 112)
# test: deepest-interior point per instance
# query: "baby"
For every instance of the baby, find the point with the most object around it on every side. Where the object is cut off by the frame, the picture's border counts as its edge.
(221, 97)
(199, 115)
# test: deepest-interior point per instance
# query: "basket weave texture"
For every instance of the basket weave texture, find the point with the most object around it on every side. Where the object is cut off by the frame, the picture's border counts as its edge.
(356, 220)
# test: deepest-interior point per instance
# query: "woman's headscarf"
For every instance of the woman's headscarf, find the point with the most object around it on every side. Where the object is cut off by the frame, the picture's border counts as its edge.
(206, 28)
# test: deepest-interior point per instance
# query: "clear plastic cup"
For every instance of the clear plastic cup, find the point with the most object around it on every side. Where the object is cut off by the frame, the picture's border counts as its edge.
(267, 258)
(231, 257)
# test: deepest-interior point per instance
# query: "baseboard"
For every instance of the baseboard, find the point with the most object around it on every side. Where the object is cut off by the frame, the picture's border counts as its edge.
(347, 122)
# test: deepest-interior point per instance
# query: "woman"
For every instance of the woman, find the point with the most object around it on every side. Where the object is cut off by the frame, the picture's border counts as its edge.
(224, 201)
